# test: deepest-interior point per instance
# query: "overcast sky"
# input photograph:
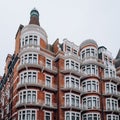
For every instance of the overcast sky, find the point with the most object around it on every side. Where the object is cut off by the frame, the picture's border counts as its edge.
(76, 20)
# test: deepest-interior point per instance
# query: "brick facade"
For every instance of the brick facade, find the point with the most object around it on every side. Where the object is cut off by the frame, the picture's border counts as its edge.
(62, 81)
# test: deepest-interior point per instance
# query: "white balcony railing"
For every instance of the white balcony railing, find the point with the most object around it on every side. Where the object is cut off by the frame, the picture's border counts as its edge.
(112, 109)
(73, 88)
(113, 93)
(72, 55)
(40, 84)
(72, 106)
(39, 65)
(39, 103)
(85, 107)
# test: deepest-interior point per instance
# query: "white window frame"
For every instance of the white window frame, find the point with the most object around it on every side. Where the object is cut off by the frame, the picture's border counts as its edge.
(49, 113)
(70, 114)
(90, 100)
(68, 48)
(85, 85)
(21, 96)
(110, 86)
(46, 75)
(28, 58)
(29, 39)
(69, 78)
(109, 73)
(25, 110)
(89, 52)
(50, 94)
(111, 101)
(75, 52)
(92, 115)
(72, 64)
(70, 99)
(24, 79)
(88, 69)
(50, 64)
(111, 116)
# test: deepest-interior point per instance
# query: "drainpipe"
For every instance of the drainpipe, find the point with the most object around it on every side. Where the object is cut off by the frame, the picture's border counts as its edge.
(101, 94)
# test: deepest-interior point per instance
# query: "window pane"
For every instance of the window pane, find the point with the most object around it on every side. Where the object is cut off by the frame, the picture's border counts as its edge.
(73, 116)
(47, 116)
(67, 116)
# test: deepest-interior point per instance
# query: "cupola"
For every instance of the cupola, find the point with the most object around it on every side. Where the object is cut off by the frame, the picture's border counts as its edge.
(34, 17)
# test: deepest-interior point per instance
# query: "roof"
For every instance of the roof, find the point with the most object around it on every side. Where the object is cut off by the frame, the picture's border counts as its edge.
(117, 60)
(118, 55)
(88, 42)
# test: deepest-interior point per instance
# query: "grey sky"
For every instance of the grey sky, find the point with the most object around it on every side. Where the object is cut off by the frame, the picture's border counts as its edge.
(76, 20)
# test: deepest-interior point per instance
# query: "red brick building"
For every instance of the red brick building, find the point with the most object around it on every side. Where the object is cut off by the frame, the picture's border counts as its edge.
(61, 81)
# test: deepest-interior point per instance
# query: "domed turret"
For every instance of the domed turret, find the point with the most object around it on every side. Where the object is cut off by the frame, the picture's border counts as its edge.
(33, 33)
(88, 42)
(34, 17)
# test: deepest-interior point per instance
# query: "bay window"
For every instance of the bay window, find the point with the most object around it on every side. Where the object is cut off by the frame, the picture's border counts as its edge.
(111, 104)
(72, 82)
(29, 76)
(91, 116)
(67, 116)
(71, 115)
(29, 58)
(91, 102)
(27, 96)
(72, 100)
(90, 85)
(90, 69)
(111, 87)
(112, 117)
(88, 52)
(27, 114)
(109, 73)
(71, 64)
(28, 40)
